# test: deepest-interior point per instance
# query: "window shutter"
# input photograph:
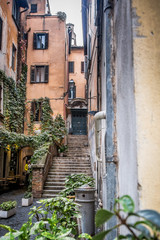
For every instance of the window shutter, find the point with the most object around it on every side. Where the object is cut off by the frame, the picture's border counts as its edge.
(82, 67)
(46, 74)
(32, 107)
(34, 41)
(1, 24)
(32, 80)
(74, 92)
(46, 40)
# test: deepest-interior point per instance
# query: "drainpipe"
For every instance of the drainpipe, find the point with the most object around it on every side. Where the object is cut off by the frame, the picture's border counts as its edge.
(98, 116)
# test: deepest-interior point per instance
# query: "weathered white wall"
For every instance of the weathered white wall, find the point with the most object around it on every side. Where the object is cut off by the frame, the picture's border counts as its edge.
(125, 113)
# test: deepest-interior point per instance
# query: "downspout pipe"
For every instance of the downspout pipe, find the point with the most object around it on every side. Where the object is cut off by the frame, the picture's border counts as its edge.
(98, 116)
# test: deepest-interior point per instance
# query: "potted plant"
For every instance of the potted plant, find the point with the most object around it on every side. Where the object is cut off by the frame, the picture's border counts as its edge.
(62, 149)
(7, 209)
(27, 200)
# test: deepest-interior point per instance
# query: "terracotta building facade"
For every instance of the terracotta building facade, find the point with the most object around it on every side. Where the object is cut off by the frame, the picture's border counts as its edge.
(46, 59)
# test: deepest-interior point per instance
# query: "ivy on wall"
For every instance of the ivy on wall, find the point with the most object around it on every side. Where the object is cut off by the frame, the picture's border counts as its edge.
(11, 135)
(14, 101)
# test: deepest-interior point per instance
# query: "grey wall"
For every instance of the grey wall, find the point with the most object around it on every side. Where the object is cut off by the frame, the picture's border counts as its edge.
(125, 117)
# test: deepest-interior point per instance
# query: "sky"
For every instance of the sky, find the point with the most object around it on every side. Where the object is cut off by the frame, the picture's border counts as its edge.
(73, 10)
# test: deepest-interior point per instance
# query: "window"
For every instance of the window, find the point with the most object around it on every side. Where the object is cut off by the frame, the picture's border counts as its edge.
(15, 12)
(82, 67)
(1, 28)
(71, 67)
(33, 8)
(72, 89)
(36, 109)
(40, 41)
(39, 74)
(1, 99)
(13, 57)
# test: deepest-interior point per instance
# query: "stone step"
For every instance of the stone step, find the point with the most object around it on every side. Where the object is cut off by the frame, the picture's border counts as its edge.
(51, 191)
(47, 187)
(70, 167)
(49, 195)
(77, 155)
(71, 158)
(64, 164)
(64, 173)
(51, 183)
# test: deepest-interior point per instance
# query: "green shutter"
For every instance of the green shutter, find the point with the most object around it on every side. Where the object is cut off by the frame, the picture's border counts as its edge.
(46, 74)
(34, 41)
(32, 73)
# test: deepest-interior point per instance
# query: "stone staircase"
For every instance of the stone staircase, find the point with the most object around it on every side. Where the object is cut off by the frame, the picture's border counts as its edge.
(75, 160)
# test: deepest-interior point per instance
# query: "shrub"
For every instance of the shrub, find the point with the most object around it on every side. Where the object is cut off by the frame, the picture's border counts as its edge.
(6, 206)
(75, 181)
(27, 195)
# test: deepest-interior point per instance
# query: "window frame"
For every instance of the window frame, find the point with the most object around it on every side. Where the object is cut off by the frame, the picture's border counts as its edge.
(71, 66)
(1, 32)
(33, 73)
(33, 8)
(36, 109)
(14, 51)
(35, 40)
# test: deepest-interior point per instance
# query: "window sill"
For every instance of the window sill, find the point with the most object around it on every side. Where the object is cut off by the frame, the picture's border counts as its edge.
(38, 82)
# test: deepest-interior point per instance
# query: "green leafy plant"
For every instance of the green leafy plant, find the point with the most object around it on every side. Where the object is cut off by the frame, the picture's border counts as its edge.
(6, 206)
(62, 16)
(74, 181)
(14, 101)
(62, 148)
(27, 195)
(145, 227)
(55, 219)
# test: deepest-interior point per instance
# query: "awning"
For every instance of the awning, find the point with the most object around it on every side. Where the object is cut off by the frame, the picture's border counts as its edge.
(23, 3)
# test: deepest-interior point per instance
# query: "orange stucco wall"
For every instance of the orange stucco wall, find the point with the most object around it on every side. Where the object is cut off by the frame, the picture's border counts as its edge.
(54, 56)
(9, 37)
(77, 56)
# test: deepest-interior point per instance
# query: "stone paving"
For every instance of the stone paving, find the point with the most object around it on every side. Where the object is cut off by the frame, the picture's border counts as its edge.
(21, 216)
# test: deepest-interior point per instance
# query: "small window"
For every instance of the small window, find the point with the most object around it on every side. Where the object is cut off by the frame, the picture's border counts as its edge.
(40, 41)
(82, 67)
(39, 74)
(1, 99)
(36, 109)
(71, 67)
(1, 29)
(13, 57)
(33, 8)
(72, 89)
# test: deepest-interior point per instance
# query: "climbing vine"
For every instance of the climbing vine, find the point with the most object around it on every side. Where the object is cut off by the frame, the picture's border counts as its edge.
(14, 101)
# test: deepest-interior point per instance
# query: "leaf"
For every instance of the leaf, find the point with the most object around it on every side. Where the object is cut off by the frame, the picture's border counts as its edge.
(85, 235)
(47, 235)
(102, 216)
(101, 236)
(150, 215)
(145, 232)
(127, 203)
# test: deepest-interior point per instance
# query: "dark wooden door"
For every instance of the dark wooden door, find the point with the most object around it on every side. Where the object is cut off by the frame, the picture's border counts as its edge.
(79, 122)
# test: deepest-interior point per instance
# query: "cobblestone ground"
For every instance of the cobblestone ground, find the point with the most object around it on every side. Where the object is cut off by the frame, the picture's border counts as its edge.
(21, 216)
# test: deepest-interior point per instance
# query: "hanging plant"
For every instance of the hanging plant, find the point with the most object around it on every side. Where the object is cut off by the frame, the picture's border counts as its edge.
(62, 16)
